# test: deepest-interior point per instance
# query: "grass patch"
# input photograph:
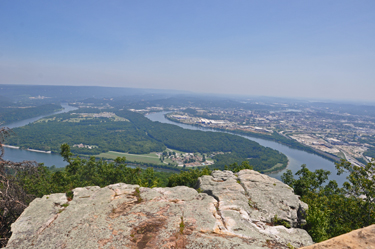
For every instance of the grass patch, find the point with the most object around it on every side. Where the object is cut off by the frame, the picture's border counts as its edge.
(65, 205)
(273, 168)
(69, 195)
(182, 225)
(142, 158)
(152, 157)
(276, 221)
(137, 194)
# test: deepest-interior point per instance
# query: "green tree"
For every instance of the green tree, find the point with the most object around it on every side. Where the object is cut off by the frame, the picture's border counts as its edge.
(333, 210)
(308, 181)
(148, 179)
(187, 178)
(318, 222)
(234, 167)
(361, 184)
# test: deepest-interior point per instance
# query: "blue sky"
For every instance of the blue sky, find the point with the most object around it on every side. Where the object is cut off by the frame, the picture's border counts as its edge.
(305, 49)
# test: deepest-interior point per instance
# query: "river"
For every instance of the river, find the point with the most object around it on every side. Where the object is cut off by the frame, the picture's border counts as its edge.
(18, 155)
(67, 108)
(296, 157)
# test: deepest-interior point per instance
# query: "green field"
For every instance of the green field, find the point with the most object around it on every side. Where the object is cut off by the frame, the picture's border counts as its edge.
(142, 158)
(274, 167)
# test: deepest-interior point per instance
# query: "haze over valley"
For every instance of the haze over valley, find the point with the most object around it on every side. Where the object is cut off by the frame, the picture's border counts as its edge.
(187, 124)
(100, 126)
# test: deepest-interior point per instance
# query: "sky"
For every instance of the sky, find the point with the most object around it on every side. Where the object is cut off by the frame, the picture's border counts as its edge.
(321, 49)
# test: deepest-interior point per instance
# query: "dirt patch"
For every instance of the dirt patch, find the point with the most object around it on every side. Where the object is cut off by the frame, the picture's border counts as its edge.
(145, 234)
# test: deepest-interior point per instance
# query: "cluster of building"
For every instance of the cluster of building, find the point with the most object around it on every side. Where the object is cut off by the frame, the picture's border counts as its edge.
(217, 124)
(40, 97)
(96, 115)
(85, 146)
(148, 109)
(110, 115)
(334, 133)
(189, 159)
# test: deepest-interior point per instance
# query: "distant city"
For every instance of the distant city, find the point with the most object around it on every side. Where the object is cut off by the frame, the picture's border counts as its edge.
(344, 135)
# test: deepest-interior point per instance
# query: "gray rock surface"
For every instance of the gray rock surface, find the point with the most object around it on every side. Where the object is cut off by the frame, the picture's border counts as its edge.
(126, 216)
(250, 201)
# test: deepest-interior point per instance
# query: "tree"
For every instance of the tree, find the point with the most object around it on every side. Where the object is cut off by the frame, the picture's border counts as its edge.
(308, 181)
(148, 179)
(234, 167)
(309, 187)
(187, 178)
(361, 184)
(332, 210)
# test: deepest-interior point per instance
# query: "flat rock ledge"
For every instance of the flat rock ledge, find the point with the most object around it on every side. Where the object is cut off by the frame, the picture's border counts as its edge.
(233, 211)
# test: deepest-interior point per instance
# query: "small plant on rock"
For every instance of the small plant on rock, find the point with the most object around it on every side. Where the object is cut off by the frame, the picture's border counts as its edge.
(182, 225)
(290, 246)
(69, 195)
(276, 221)
(65, 205)
(137, 194)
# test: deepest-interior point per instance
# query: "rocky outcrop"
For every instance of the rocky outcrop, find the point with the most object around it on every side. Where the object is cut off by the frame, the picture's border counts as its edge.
(361, 238)
(262, 197)
(235, 211)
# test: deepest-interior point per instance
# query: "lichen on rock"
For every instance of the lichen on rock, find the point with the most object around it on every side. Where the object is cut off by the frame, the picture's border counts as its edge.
(127, 216)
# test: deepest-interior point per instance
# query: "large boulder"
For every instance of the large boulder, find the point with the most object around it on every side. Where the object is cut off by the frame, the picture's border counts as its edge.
(127, 216)
(253, 203)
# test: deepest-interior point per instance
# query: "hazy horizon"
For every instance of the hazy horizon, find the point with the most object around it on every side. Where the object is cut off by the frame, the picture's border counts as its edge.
(290, 49)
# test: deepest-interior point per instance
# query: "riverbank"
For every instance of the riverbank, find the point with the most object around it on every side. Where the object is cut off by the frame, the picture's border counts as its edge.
(296, 157)
(11, 146)
(39, 151)
(276, 137)
(17, 154)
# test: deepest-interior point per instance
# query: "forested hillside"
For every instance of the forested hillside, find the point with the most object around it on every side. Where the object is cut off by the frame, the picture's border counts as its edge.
(133, 133)
(106, 134)
(8, 115)
(236, 148)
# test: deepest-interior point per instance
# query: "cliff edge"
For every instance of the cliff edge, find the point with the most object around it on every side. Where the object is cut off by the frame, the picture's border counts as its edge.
(232, 211)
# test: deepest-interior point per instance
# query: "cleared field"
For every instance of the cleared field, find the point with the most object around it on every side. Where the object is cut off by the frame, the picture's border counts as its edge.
(274, 167)
(143, 158)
